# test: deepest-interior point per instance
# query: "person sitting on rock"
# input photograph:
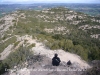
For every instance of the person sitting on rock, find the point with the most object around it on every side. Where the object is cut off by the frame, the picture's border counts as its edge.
(56, 60)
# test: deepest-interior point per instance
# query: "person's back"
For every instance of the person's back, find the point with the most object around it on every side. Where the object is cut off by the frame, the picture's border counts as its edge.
(56, 60)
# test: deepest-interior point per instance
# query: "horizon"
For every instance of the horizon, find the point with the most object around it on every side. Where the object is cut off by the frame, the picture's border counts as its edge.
(48, 1)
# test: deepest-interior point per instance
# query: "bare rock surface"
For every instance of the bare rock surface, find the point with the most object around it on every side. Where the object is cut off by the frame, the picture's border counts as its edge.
(43, 66)
(6, 52)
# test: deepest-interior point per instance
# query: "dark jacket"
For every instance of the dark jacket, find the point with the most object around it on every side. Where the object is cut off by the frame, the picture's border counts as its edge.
(56, 61)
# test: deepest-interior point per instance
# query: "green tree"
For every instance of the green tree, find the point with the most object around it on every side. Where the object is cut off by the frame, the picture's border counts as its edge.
(81, 51)
(68, 44)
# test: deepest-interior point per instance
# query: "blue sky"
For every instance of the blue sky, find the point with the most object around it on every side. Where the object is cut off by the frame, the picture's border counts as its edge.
(49, 1)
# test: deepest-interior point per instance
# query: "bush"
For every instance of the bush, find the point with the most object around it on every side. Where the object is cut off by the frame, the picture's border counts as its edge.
(6, 43)
(16, 43)
(57, 36)
(3, 67)
(17, 57)
(78, 49)
(32, 45)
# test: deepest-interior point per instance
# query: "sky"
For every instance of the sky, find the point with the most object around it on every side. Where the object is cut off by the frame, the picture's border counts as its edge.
(49, 1)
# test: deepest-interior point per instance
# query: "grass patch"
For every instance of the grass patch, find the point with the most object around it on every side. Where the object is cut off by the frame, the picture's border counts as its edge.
(16, 43)
(32, 45)
(6, 43)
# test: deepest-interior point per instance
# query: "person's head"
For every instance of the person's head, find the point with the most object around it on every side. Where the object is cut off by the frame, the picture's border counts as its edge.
(56, 54)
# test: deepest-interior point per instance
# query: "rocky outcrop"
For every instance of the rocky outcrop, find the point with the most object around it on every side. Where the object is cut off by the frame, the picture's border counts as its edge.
(43, 66)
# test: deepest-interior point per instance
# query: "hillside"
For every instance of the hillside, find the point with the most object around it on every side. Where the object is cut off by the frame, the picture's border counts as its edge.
(56, 29)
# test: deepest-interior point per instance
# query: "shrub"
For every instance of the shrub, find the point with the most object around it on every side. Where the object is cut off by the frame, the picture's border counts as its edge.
(32, 45)
(18, 57)
(16, 43)
(3, 67)
(6, 43)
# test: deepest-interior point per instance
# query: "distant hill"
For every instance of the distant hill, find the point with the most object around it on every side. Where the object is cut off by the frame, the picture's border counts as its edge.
(90, 9)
